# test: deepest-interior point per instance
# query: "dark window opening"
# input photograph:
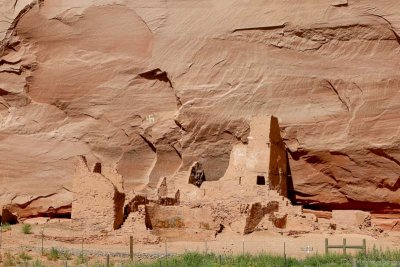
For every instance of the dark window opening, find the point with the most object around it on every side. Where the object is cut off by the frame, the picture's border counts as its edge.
(97, 168)
(260, 180)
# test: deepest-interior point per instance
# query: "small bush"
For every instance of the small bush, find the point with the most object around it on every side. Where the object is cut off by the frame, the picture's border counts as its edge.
(6, 227)
(65, 255)
(53, 254)
(26, 229)
(81, 259)
(25, 257)
(9, 260)
(37, 263)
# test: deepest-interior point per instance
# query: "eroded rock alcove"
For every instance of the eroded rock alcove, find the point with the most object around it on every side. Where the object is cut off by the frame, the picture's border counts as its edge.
(128, 85)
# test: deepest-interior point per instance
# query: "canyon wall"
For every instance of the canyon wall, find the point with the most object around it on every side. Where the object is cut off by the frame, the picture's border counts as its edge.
(150, 86)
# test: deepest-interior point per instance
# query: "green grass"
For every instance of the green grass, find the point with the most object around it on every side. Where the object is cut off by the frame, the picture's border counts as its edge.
(53, 255)
(6, 227)
(81, 259)
(9, 259)
(65, 255)
(25, 257)
(374, 258)
(26, 229)
(37, 263)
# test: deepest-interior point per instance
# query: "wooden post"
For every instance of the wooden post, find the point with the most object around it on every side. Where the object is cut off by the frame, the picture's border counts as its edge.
(364, 246)
(284, 253)
(243, 248)
(220, 260)
(326, 246)
(42, 242)
(108, 261)
(166, 251)
(344, 246)
(131, 247)
(82, 248)
(206, 248)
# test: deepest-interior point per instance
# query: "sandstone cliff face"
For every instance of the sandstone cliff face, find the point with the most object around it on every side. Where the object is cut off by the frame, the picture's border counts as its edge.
(151, 86)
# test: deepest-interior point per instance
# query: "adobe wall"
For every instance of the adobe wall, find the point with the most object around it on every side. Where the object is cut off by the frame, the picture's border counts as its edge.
(264, 156)
(277, 175)
(97, 204)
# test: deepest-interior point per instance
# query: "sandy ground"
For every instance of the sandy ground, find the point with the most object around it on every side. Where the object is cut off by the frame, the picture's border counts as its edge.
(60, 236)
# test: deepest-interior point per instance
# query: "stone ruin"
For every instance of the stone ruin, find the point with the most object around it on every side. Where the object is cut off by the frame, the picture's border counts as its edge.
(251, 196)
(98, 202)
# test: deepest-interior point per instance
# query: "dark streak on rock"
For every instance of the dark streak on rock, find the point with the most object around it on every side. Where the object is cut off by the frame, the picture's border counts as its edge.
(264, 28)
(157, 74)
(333, 88)
(151, 145)
(381, 153)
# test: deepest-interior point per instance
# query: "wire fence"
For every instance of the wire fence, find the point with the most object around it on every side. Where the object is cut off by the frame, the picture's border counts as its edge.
(26, 249)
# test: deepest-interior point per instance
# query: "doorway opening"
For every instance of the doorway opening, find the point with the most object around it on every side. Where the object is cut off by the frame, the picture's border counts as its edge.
(260, 180)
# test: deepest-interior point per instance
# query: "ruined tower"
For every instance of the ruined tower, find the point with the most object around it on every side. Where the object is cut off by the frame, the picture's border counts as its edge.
(263, 160)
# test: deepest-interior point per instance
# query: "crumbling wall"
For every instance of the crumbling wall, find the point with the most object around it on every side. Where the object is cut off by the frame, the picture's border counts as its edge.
(257, 151)
(257, 213)
(263, 161)
(97, 204)
(134, 203)
(165, 197)
(277, 174)
(178, 223)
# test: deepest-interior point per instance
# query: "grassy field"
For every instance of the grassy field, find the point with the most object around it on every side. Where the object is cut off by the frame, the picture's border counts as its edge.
(374, 258)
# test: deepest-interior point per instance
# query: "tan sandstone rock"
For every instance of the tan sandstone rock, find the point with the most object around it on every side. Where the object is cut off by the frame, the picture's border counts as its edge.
(351, 218)
(152, 86)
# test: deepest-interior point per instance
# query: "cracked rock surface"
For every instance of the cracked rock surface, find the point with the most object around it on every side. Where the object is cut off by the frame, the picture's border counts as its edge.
(151, 86)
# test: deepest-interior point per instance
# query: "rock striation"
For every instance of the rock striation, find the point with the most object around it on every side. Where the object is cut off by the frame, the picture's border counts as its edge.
(151, 87)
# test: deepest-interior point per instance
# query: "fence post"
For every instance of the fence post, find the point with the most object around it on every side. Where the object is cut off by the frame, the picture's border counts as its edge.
(82, 247)
(326, 246)
(42, 241)
(243, 248)
(206, 248)
(344, 246)
(108, 261)
(365, 246)
(220, 260)
(166, 251)
(284, 253)
(131, 247)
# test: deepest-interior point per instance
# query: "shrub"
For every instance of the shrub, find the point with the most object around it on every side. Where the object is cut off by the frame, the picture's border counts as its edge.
(9, 260)
(26, 229)
(6, 227)
(53, 254)
(65, 255)
(81, 259)
(37, 263)
(25, 257)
